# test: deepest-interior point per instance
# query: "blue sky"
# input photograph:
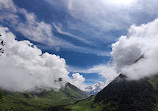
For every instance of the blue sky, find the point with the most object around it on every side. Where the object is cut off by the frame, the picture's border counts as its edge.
(82, 31)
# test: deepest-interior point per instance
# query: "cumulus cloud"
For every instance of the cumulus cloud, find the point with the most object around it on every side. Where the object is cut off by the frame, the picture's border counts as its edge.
(24, 68)
(78, 80)
(140, 41)
(134, 54)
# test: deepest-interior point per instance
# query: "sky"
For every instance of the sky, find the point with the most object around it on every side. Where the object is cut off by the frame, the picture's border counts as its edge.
(84, 36)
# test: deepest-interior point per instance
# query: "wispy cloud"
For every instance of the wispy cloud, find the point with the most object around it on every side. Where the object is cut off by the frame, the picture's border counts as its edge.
(59, 30)
(7, 4)
(40, 31)
(106, 15)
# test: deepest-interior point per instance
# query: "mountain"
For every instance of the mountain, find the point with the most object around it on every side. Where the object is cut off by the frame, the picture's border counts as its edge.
(93, 90)
(14, 101)
(126, 95)
(123, 95)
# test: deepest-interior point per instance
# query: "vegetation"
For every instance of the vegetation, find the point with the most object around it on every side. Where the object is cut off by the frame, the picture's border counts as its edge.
(123, 95)
(42, 101)
(1, 99)
(14, 101)
(119, 95)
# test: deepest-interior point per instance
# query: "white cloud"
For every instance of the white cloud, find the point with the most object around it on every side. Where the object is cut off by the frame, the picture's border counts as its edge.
(30, 27)
(40, 31)
(134, 55)
(125, 48)
(7, 5)
(107, 15)
(96, 87)
(141, 40)
(24, 68)
(78, 80)
(107, 71)
(59, 30)
(100, 14)
(8, 10)
(34, 29)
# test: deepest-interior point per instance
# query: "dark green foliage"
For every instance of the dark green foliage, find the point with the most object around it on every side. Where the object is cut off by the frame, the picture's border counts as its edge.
(58, 108)
(125, 95)
(1, 97)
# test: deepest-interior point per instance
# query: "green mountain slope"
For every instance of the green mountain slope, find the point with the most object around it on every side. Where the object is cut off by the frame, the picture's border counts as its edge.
(41, 101)
(123, 95)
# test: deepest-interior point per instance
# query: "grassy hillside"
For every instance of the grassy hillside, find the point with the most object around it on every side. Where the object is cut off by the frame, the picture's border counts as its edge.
(123, 95)
(85, 105)
(42, 101)
(120, 95)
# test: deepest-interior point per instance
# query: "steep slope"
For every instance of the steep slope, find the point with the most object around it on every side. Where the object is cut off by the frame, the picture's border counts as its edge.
(123, 95)
(42, 101)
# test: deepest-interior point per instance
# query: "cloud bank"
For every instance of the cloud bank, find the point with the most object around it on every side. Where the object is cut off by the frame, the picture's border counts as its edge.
(140, 41)
(25, 68)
